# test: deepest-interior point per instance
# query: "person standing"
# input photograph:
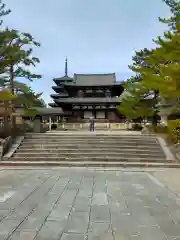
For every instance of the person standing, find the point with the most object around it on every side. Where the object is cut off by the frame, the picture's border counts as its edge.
(91, 124)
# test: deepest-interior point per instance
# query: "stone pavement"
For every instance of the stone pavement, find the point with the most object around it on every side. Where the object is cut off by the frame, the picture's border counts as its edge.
(78, 204)
(170, 178)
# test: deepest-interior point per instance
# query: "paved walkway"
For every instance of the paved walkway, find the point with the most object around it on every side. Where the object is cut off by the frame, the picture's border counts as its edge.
(170, 178)
(78, 204)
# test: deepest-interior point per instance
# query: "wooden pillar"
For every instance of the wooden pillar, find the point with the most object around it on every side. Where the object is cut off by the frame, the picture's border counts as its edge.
(80, 115)
(63, 121)
(94, 111)
(50, 123)
(106, 112)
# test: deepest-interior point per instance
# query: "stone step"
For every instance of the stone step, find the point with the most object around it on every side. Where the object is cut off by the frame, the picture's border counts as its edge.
(90, 146)
(87, 134)
(107, 148)
(90, 164)
(80, 149)
(82, 155)
(89, 141)
(92, 137)
(90, 158)
(101, 147)
(90, 149)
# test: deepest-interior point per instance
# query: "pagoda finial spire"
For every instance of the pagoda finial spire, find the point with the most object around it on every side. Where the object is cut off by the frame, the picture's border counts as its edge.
(66, 67)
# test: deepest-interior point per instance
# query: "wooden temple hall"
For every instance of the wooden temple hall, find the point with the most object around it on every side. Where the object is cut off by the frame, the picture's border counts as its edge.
(86, 95)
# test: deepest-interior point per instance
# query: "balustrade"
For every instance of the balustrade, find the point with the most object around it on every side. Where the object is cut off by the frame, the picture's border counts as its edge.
(98, 126)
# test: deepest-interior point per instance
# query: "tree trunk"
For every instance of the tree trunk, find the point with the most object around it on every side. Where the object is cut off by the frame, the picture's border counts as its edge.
(155, 116)
(11, 80)
(7, 127)
(155, 120)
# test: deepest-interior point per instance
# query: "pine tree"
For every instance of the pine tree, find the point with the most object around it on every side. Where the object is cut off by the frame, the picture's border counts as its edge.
(174, 6)
(140, 101)
(15, 58)
(159, 69)
(29, 98)
(5, 96)
(3, 11)
(3, 34)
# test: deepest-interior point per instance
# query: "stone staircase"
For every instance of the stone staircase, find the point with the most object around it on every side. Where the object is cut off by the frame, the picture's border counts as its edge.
(90, 149)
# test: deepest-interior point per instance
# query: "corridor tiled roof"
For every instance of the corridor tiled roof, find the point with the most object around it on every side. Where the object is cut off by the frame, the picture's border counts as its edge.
(49, 111)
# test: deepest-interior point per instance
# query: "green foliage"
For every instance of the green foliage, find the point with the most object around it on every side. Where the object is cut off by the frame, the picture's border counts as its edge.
(136, 127)
(165, 68)
(15, 61)
(174, 130)
(3, 11)
(16, 55)
(6, 95)
(158, 128)
(157, 71)
(21, 129)
(132, 107)
(27, 127)
(16, 50)
(31, 112)
(139, 102)
(28, 98)
(174, 6)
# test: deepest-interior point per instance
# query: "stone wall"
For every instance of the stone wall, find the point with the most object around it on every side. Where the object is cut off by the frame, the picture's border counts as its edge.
(5, 145)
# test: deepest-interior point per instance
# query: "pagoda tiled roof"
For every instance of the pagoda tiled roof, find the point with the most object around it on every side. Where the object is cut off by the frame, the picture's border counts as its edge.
(57, 88)
(59, 95)
(53, 104)
(64, 78)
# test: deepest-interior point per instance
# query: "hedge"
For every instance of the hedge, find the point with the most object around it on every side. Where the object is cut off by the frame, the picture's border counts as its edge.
(157, 129)
(174, 130)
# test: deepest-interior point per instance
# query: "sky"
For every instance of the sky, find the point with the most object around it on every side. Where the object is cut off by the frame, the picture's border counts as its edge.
(97, 36)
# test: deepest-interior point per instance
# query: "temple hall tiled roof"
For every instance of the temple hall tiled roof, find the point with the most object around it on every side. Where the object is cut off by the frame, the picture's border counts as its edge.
(94, 79)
